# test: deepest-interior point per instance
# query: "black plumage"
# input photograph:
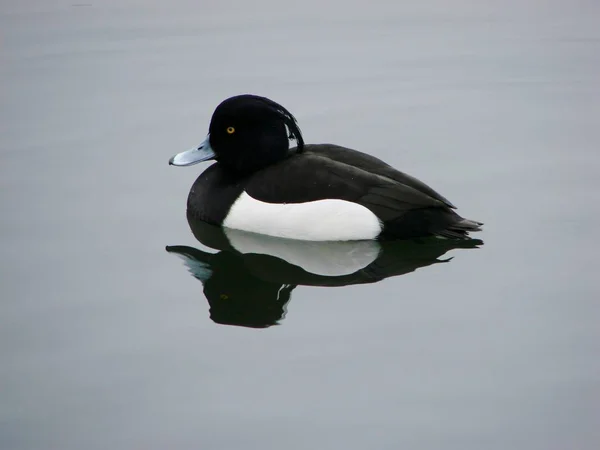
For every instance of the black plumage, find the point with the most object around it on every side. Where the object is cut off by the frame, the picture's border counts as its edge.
(257, 159)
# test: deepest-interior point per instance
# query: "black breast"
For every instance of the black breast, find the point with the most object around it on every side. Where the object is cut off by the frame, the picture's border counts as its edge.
(213, 193)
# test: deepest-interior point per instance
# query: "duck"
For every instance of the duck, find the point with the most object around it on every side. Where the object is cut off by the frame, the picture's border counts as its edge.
(313, 192)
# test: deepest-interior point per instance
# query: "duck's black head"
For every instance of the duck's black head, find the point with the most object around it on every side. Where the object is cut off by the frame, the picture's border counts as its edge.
(246, 133)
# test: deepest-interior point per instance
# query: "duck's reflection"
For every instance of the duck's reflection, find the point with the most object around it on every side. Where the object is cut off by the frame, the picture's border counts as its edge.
(250, 280)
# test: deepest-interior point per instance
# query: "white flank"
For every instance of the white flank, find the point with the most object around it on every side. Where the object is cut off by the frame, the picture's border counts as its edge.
(321, 220)
(331, 259)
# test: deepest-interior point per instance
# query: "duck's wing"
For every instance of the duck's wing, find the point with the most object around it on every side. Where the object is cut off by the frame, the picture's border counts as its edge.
(315, 176)
(407, 207)
(374, 165)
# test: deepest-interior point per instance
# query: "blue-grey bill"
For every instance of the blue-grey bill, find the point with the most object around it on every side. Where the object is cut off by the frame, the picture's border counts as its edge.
(203, 152)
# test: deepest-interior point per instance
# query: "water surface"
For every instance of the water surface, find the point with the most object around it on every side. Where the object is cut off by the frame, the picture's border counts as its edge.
(106, 339)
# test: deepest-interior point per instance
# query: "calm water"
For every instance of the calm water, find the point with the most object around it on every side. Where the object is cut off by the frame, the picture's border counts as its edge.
(106, 338)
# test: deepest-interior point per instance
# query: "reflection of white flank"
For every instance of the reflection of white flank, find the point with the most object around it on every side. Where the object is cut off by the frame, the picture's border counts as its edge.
(321, 258)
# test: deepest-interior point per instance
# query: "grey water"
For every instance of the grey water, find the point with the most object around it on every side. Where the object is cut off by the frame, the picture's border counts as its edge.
(120, 329)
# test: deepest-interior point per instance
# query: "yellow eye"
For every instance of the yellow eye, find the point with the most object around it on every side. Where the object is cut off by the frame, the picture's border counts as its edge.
(230, 130)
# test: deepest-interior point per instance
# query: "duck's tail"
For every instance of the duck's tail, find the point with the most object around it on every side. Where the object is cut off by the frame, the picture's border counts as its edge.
(460, 229)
